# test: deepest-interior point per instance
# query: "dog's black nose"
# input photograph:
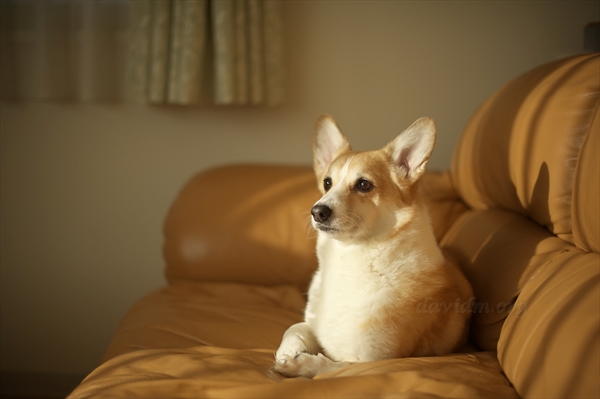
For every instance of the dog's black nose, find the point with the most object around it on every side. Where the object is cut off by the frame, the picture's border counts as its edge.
(321, 213)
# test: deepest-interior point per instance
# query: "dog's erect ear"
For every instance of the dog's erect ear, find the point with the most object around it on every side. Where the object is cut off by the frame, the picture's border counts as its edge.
(328, 142)
(411, 150)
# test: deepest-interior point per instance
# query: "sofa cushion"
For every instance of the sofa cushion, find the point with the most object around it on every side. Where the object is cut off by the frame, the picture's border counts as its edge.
(218, 340)
(208, 372)
(519, 151)
(499, 252)
(586, 191)
(187, 314)
(245, 224)
(552, 350)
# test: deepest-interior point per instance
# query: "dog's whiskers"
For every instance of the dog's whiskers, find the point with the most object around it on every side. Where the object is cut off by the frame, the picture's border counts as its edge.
(349, 221)
(307, 226)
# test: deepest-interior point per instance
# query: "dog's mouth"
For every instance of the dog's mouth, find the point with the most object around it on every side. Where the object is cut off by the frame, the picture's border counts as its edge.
(325, 226)
(326, 229)
(335, 227)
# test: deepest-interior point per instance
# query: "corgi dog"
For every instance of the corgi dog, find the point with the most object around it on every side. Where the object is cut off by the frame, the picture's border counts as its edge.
(378, 261)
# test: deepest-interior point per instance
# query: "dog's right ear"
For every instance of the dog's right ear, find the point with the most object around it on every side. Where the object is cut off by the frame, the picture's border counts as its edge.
(328, 142)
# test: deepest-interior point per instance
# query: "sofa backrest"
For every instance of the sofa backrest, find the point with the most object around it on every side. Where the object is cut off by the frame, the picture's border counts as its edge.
(523, 150)
(527, 167)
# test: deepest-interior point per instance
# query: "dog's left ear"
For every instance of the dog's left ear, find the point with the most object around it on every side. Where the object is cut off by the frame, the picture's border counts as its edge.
(411, 150)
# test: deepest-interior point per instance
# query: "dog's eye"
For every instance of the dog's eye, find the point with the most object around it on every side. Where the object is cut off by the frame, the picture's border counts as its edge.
(363, 185)
(327, 183)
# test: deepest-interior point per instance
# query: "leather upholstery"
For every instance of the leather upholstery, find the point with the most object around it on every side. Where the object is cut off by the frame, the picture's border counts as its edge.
(519, 210)
(520, 151)
(236, 224)
(527, 166)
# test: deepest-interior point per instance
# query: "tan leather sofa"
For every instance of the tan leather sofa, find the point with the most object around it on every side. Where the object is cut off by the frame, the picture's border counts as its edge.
(519, 210)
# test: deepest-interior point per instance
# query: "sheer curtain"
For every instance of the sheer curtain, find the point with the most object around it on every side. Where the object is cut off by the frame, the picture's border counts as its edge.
(147, 51)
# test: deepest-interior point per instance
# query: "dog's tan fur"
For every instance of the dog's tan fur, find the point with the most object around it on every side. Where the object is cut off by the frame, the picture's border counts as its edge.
(378, 261)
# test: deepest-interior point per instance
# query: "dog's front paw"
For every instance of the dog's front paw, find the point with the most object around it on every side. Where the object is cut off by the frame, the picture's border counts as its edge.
(292, 346)
(302, 365)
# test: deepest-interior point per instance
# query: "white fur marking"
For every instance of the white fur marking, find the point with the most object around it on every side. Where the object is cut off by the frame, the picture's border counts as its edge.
(345, 168)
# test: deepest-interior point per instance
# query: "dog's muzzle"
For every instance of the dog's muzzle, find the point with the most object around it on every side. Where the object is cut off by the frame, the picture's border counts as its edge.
(321, 213)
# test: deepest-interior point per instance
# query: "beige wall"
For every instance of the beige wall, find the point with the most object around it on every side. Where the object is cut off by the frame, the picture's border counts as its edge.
(85, 187)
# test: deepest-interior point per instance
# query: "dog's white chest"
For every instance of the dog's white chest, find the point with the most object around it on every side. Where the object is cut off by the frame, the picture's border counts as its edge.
(347, 292)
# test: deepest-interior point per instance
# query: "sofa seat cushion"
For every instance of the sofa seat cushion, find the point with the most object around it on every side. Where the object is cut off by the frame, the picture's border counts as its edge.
(229, 315)
(218, 340)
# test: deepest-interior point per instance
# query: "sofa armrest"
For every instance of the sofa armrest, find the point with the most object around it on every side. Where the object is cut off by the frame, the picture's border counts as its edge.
(243, 224)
